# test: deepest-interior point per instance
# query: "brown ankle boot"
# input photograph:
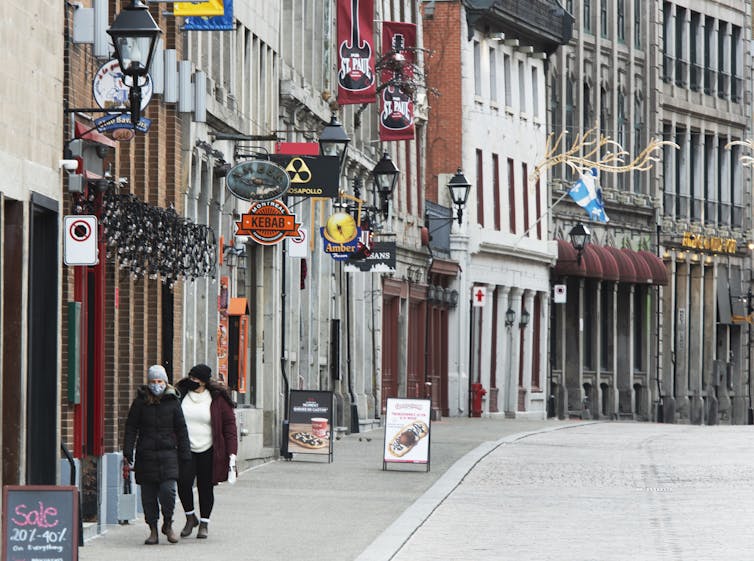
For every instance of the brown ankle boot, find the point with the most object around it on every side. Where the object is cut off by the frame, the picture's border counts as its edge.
(153, 538)
(202, 532)
(191, 522)
(167, 529)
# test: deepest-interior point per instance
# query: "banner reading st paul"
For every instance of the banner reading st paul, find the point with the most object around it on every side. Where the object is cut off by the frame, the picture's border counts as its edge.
(396, 106)
(356, 54)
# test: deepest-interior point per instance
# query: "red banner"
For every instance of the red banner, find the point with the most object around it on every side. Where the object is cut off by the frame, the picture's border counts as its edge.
(396, 106)
(356, 75)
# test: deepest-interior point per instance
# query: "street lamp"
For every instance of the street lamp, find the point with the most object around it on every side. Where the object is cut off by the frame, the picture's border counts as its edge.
(524, 319)
(580, 236)
(385, 175)
(510, 317)
(134, 33)
(459, 188)
(333, 141)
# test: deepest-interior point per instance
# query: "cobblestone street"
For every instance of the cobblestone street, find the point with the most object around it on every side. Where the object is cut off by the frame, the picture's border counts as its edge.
(601, 492)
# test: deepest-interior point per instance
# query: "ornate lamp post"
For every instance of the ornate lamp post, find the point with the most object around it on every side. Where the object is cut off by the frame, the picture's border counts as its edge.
(459, 188)
(134, 33)
(385, 175)
(580, 236)
(333, 141)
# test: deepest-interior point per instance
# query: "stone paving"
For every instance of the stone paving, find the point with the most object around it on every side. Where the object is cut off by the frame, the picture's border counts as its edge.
(600, 492)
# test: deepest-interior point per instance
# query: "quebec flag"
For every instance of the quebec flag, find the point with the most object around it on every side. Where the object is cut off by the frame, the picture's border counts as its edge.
(587, 194)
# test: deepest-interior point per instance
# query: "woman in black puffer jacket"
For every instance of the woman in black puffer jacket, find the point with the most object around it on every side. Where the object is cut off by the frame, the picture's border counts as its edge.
(157, 429)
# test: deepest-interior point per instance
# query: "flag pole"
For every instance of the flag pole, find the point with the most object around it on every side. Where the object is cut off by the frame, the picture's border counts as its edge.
(545, 213)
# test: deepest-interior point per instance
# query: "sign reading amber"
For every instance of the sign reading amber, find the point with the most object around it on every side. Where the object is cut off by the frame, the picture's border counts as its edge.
(268, 223)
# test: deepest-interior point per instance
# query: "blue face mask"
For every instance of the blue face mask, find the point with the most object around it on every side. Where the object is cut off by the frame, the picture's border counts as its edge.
(157, 389)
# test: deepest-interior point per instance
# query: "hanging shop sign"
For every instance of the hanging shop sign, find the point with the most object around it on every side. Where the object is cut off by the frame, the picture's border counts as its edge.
(257, 180)
(224, 22)
(407, 429)
(268, 223)
(340, 236)
(380, 260)
(310, 418)
(311, 176)
(709, 243)
(111, 92)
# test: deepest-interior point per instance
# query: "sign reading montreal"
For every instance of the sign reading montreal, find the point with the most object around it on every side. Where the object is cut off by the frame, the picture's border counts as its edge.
(268, 223)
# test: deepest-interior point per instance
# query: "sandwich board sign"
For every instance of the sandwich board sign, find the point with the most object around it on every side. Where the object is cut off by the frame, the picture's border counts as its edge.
(407, 429)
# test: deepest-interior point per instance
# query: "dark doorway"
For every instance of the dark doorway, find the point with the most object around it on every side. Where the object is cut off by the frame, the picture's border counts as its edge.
(42, 396)
(12, 284)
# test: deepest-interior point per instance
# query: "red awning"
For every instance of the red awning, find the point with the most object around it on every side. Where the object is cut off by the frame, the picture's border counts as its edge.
(592, 262)
(625, 265)
(659, 271)
(567, 264)
(610, 270)
(82, 131)
(643, 272)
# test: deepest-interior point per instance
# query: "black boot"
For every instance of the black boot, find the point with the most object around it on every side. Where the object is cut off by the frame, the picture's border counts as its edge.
(202, 532)
(191, 522)
(167, 529)
(153, 538)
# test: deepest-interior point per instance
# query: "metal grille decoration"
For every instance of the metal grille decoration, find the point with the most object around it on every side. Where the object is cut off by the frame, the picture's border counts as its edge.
(154, 241)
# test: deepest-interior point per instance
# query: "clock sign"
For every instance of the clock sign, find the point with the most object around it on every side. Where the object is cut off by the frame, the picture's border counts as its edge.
(340, 236)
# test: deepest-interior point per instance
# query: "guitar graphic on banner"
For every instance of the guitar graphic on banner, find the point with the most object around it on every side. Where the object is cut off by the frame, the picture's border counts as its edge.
(355, 73)
(396, 112)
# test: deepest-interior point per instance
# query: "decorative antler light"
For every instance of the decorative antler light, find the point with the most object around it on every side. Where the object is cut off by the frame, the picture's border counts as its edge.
(590, 145)
(746, 161)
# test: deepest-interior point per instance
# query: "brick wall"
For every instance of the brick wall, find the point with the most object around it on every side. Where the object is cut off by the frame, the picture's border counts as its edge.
(443, 34)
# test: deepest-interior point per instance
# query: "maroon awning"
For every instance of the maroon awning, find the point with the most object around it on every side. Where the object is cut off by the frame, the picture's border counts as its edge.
(610, 270)
(625, 265)
(643, 272)
(659, 271)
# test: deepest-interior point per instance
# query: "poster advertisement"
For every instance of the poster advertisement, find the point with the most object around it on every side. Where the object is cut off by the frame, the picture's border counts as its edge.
(407, 426)
(310, 422)
(222, 331)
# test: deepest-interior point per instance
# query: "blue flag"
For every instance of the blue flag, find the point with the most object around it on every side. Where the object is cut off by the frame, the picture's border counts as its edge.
(225, 22)
(588, 195)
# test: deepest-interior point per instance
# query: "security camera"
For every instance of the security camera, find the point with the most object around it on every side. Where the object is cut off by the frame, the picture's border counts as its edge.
(69, 165)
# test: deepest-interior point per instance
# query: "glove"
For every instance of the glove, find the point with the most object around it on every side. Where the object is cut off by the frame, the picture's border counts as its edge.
(232, 460)
(126, 468)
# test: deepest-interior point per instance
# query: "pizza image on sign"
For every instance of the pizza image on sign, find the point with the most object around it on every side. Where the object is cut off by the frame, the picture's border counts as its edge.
(268, 223)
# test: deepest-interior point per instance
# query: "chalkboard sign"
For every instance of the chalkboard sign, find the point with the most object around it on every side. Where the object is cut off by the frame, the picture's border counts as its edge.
(40, 523)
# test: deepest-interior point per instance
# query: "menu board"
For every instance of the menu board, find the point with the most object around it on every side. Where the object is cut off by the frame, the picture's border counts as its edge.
(310, 422)
(407, 427)
(40, 523)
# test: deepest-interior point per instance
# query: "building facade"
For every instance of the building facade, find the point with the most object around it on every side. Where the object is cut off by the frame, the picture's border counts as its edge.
(623, 342)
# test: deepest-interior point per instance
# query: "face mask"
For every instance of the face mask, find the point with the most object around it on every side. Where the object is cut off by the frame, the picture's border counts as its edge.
(156, 389)
(192, 385)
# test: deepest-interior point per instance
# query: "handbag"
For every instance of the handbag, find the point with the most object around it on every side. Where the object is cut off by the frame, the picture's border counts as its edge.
(127, 500)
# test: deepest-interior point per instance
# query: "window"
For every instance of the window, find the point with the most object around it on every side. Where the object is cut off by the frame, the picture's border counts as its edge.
(709, 72)
(637, 24)
(621, 133)
(507, 78)
(521, 88)
(710, 210)
(525, 190)
(638, 140)
(496, 190)
(479, 189)
(555, 117)
(695, 67)
(538, 200)
(667, 31)
(620, 17)
(681, 176)
(736, 83)
(603, 18)
(511, 197)
(680, 47)
(606, 313)
(695, 209)
(586, 110)
(493, 75)
(668, 171)
(534, 92)
(588, 16)
(735, 186)
(477, 69)
(722, 74)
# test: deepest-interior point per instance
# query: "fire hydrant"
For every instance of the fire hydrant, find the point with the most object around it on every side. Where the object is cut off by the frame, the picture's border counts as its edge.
(477, 393)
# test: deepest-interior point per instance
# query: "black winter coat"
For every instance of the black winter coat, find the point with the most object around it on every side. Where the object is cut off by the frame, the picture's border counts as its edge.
(158, 431)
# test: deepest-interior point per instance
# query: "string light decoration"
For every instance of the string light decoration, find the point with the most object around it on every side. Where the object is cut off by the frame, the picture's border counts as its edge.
(152, 241)
(746, 160)
(592, 149)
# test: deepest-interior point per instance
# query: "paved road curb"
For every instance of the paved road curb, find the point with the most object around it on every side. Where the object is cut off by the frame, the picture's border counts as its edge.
(390, 542)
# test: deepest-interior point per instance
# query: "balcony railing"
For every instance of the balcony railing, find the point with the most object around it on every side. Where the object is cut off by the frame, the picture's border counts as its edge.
(680, 73)
(709, 81)
(736, 89)
(667, 68)
(697, 76)
(722, 84)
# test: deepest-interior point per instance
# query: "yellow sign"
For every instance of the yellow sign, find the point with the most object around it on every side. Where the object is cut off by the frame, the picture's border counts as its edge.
(209, 8)
(709, 243)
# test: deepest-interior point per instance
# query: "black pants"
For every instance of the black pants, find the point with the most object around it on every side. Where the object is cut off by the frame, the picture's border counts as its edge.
(151, 493)
(200, 468)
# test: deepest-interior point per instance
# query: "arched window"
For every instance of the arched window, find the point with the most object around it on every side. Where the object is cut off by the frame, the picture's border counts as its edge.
(586, 109)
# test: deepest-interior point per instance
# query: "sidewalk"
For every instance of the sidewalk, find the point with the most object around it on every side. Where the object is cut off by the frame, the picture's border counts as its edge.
(308, 509)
